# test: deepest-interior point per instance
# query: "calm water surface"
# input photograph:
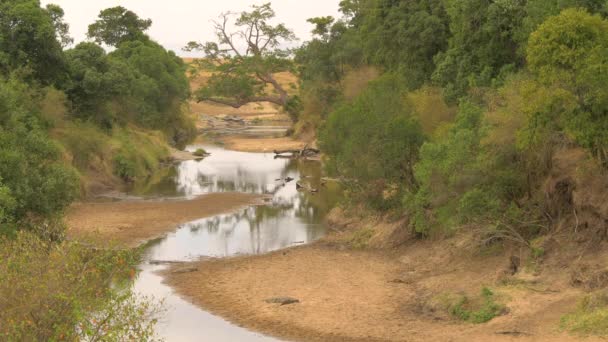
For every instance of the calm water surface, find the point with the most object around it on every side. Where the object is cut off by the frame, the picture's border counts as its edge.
(290, 218)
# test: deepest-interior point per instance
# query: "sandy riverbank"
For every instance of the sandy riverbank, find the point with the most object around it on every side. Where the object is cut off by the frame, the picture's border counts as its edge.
(376, 295)
(261, 144)
(133, 222)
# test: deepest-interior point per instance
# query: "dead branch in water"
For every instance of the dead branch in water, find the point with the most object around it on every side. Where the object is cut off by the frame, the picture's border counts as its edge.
(295, 153)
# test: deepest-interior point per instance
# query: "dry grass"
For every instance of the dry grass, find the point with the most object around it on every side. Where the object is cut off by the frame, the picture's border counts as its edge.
(355, 81)
(431, 109)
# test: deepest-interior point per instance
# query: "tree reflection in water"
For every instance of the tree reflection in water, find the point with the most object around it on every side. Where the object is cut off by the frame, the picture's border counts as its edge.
(291, 217)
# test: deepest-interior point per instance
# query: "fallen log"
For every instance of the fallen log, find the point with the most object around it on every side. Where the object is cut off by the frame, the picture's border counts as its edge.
(305, 152)
(165, 262)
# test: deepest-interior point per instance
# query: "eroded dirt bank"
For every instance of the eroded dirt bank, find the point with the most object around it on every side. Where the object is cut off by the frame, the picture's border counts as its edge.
(133, 222)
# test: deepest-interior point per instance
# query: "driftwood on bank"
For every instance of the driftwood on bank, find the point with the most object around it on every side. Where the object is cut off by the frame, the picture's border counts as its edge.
(295, 153)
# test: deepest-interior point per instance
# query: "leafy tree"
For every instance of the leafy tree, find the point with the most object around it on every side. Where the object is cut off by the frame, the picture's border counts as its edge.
(536, 12)
(406, 35)
(61, 27)
(34, 182)
(96, 82)
(569, 54)
(323, 63)
(482, 46)
(374, 143)
(158, 90)
(352, 8)
(28, 41)
(334, 49)
(117, 25)
(243, 62)
(464, 177)
(138, 82)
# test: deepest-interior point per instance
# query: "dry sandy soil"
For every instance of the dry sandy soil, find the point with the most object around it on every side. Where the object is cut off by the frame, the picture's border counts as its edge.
(261, 144)
(134, 222)
(380, 294)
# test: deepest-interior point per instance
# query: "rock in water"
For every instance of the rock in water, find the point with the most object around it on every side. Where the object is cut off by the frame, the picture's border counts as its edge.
(282, 300)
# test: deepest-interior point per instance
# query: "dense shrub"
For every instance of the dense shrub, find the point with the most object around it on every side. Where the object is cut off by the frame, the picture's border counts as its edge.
(69, 292)
(464, 176)
(34, 179)
(28, 43)
(374, 142)
(569, 55)
(476, 310)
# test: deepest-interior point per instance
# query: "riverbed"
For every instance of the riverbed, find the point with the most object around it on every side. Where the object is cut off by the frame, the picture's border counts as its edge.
(289, 217)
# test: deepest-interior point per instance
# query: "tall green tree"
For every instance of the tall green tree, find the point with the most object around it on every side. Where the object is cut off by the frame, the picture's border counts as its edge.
(117, 25)
(96, 83)
(62, 29)
(405, 35)
(34, 181)
(373, 142)
(536, 12)
(28, 41)
(158, 90)
(569, 55)
(482, 44)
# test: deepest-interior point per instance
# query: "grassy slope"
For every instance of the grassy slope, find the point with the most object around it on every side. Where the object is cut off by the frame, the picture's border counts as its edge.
(95, 152)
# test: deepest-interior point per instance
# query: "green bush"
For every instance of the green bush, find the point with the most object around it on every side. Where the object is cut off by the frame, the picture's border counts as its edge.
(200, 152)
(477, 310)
(590, 316)
(466, 174)
(70, 292)
(137, 153)
(373, 142)
(124, 167)
(33, 178)
(447, 166)
(571, 64)
(477, 203)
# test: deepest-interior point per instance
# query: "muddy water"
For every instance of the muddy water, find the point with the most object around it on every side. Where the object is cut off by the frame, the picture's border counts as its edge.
(290, 218)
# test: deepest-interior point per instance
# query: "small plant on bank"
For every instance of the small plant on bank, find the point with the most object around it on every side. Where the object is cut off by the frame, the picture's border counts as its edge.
(124, 167)
(590, 316)
(476, 310)
(200, 152)
(360, 239)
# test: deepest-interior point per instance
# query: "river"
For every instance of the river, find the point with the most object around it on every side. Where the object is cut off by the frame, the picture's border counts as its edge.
(290, 218)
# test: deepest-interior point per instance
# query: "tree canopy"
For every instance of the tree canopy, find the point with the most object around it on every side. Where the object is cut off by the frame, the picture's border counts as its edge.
(117, 25)
(473, 100)
(28, 41)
